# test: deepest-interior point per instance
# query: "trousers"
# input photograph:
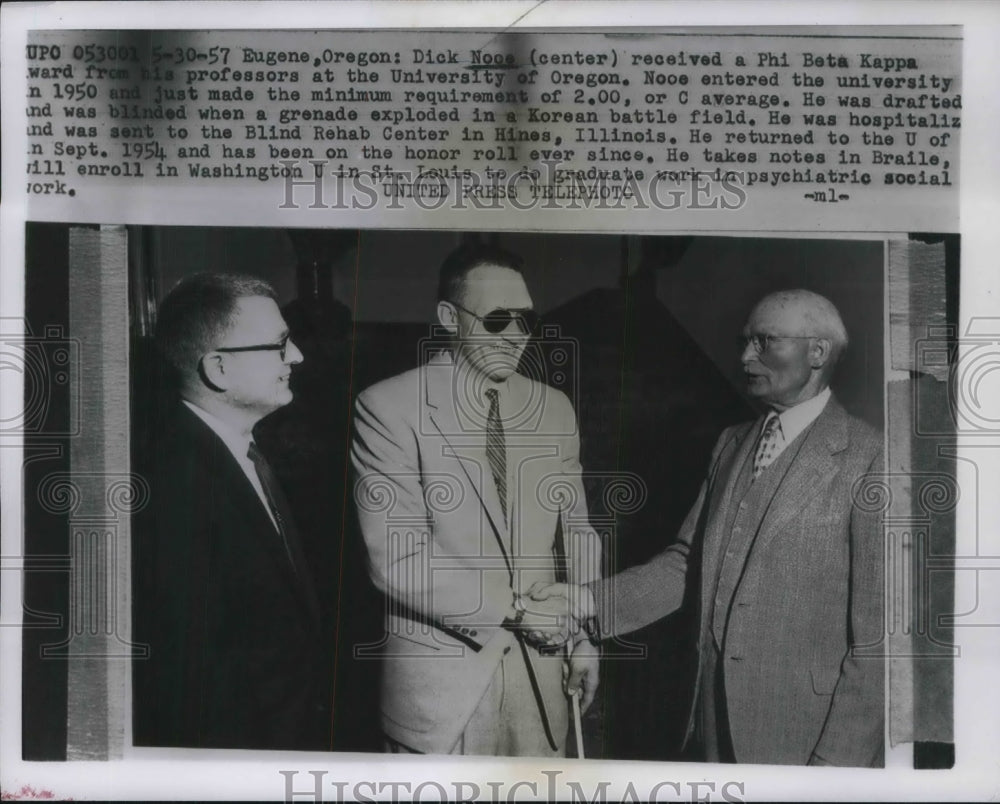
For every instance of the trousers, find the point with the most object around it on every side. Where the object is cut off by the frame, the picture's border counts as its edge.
(507, 721)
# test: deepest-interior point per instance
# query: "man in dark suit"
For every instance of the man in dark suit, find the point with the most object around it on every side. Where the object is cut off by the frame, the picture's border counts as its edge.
(788, 568)
(223, 595)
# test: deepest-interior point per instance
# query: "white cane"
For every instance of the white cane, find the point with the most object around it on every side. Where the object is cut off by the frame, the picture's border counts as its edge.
(577, 720)
(578, 725)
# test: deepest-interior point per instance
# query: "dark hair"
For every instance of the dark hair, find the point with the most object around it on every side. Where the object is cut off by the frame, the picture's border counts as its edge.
(467, 257)
(198, 311)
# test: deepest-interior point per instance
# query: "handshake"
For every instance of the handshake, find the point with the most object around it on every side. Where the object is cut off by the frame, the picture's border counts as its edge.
(551, 614)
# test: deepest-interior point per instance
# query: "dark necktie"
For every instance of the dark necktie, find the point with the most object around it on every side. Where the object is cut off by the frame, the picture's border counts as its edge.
(496, 449)
(275, 497)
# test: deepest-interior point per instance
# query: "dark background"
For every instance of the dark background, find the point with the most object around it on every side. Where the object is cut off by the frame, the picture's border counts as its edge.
(386, 280)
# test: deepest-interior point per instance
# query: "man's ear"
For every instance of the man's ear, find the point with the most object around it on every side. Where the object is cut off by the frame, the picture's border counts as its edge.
(212, 370)
(448, 316)
(819, 352)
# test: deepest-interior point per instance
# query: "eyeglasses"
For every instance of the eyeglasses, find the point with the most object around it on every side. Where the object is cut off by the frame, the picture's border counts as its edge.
(761, 342)
(497, 321)
(281, 347)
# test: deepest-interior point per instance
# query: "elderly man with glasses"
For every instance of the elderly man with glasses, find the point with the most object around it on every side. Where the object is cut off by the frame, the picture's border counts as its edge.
(223, 594)
(468, 487)
(785, 561)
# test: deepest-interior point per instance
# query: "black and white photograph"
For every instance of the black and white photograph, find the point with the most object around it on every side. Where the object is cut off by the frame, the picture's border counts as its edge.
(498, 401)
(502, 494)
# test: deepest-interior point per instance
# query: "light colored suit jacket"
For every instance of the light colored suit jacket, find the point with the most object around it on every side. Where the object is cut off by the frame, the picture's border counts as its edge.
(795, 607)
(438, 544)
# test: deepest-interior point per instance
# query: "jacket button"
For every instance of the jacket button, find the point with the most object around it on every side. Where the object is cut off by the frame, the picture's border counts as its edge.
(507, 649)
(472, 633)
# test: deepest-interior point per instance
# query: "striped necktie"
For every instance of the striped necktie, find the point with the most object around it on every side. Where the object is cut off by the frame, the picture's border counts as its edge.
(496, 449)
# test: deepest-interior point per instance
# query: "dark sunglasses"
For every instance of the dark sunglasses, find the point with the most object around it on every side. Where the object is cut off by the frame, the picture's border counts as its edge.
(498, 320)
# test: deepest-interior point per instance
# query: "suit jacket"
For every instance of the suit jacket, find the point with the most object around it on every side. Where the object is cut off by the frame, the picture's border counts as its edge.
(789, 596)
(439, 547)
(231, 626)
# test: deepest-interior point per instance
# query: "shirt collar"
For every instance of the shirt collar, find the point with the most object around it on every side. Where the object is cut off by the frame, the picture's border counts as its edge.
(798, 418)
(235, 441)
(475, 388)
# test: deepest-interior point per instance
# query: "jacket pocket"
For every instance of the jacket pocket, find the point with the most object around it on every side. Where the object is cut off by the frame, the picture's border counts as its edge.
(823, 682)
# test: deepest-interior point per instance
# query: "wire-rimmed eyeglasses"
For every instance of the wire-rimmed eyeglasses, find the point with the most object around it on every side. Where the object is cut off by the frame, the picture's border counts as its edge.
(762, 341)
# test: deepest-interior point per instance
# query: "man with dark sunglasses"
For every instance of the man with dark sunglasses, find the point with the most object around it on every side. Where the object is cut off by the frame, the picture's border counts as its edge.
(468, 489)
(222, 591)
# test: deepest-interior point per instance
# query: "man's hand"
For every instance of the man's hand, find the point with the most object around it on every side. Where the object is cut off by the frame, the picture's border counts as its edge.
(555, 612)
(545, 623)
(582, 672)
(579, 599)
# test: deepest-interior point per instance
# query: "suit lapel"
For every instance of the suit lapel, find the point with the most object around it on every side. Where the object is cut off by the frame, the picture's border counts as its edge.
(730, 465)
(463, 444)
(246, 511)
(812, 469)
(301, 576)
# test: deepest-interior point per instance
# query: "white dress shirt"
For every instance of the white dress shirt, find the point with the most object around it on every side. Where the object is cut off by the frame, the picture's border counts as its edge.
(798, 418)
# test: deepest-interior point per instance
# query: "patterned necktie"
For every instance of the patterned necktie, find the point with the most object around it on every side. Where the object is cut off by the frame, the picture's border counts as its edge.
(767, 449)
(275, 497)
(496, 449)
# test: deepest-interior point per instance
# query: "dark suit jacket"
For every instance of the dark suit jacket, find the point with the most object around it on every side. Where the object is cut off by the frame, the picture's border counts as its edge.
(232, 628)
(790, 596)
